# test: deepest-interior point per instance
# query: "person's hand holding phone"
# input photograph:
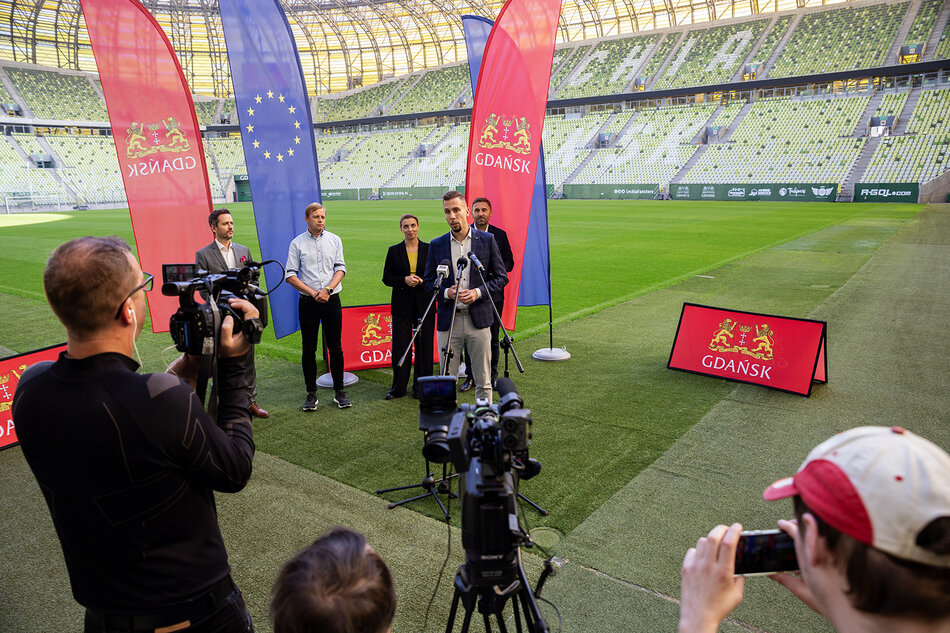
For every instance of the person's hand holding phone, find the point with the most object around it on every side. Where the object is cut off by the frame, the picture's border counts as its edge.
(710, 588)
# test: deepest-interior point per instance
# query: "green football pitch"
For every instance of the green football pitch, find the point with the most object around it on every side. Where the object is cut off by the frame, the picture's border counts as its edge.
(638, 461)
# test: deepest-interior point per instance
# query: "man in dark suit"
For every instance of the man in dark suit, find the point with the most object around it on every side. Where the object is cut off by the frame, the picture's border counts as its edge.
(473, 316)
(217, 257)
(482, 212)
(404, 263)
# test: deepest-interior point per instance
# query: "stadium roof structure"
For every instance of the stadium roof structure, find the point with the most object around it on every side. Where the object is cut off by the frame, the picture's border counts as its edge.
(345, 43)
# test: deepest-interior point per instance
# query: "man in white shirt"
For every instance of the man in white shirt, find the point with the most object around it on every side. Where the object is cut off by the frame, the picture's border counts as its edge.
(315, 267)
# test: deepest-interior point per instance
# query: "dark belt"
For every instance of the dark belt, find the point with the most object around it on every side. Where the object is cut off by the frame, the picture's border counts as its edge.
(173, 617)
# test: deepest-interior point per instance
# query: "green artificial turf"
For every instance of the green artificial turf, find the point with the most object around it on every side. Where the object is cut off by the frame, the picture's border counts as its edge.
(638, 460)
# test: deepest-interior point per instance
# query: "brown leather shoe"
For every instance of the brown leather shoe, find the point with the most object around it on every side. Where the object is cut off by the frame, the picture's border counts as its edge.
(258, 412)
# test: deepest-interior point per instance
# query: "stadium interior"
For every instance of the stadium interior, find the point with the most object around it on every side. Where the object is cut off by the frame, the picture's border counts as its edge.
(841, 94)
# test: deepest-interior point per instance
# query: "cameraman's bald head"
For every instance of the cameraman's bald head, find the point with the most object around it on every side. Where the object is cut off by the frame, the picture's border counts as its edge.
(86, 279)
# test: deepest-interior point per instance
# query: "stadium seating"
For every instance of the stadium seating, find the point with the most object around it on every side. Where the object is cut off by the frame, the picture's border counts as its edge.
(444, 167)
(924, 152)
(205, 111)
(567, 142)
(374, 160)
(840, 39)
(89, 167)
(365, 102)
(652, 149)
(923, 22)
(437, 90)
(52, 95)
(18, 178)
(781, 140)
(891, 104)
(565, 59)
(662, 50)
(943, 46)
(609, 68)
(710, 56)
(772, 38)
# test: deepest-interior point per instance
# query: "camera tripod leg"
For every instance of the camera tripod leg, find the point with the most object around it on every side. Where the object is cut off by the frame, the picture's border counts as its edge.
(433, 488)
(531, 503)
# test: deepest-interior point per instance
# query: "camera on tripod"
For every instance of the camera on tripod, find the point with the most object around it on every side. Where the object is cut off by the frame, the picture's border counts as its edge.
(488, 445)
(196, 325)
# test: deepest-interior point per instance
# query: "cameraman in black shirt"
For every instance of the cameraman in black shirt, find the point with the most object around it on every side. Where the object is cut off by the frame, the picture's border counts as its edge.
(127, 462)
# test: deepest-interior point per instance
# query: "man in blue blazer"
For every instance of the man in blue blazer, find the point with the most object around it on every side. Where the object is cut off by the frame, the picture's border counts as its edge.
(473, 316)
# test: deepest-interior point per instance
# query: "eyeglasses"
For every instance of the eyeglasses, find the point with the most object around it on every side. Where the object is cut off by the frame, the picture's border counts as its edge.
(146, 285)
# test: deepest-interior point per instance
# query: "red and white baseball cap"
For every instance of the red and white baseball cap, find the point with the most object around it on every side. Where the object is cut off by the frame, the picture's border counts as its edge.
(880, 485)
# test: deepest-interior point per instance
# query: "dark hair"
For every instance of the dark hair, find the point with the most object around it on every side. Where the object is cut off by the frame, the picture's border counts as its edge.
(85, 280)
(406, 216)
(883, 584)
(337, 585)
(451, 195)
(485, 200)
(214, 215)
(313, 206)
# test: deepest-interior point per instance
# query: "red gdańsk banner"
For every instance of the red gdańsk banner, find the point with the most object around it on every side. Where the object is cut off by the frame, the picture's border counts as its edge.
(368, 338)
(508, 121)
(156, 136)
(11, 368)
(777, 352)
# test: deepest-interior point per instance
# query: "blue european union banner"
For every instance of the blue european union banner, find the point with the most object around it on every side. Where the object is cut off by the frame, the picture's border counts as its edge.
(277, 135)
(536, 267)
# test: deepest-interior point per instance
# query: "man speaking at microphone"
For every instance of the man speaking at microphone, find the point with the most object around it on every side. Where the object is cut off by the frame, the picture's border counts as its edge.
(467, 249)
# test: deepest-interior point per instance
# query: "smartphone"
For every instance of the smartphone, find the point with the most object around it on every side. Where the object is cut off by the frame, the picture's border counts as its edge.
(763, 552)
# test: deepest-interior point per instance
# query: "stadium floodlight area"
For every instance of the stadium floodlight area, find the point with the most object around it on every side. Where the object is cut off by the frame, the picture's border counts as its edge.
(436, 90)
(652, 149)
(840, 39)
(57, 96)
(710, 56)
(609, 68)
(781, 140)
(922, 155)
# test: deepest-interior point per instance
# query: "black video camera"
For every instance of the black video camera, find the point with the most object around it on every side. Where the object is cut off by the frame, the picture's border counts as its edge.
(196, 325)
(488, 445)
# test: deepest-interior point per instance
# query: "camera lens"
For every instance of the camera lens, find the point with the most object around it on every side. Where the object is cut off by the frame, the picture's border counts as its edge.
(436, 448)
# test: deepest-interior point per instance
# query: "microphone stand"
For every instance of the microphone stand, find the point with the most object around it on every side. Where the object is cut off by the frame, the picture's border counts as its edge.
(446, 350)
(420, 321)
(507, 341)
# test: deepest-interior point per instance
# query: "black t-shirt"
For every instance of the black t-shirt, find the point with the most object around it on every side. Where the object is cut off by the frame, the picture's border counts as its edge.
(127, 463)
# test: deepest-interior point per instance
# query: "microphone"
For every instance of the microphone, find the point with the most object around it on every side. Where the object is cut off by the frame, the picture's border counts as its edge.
(461, 263)
(475, 261)
(442, 270)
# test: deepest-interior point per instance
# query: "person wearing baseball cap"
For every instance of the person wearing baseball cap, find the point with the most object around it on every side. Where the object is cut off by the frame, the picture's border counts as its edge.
(872, 537)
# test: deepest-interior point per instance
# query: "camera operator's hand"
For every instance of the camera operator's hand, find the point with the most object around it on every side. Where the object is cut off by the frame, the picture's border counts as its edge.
(231, 343)
(709, 590)
(186, 367)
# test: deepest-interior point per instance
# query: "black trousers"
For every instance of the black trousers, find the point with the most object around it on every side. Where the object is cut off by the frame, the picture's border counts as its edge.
(312, 313)
(495, 348)
(402, 333)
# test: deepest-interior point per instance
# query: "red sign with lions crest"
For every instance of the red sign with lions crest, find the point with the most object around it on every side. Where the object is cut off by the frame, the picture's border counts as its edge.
(777, 352)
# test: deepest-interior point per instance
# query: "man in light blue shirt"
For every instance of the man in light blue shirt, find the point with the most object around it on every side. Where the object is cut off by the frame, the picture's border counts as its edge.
(315, 267)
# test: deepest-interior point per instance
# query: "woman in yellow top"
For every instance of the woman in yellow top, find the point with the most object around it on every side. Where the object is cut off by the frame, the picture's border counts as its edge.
(405, 263)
